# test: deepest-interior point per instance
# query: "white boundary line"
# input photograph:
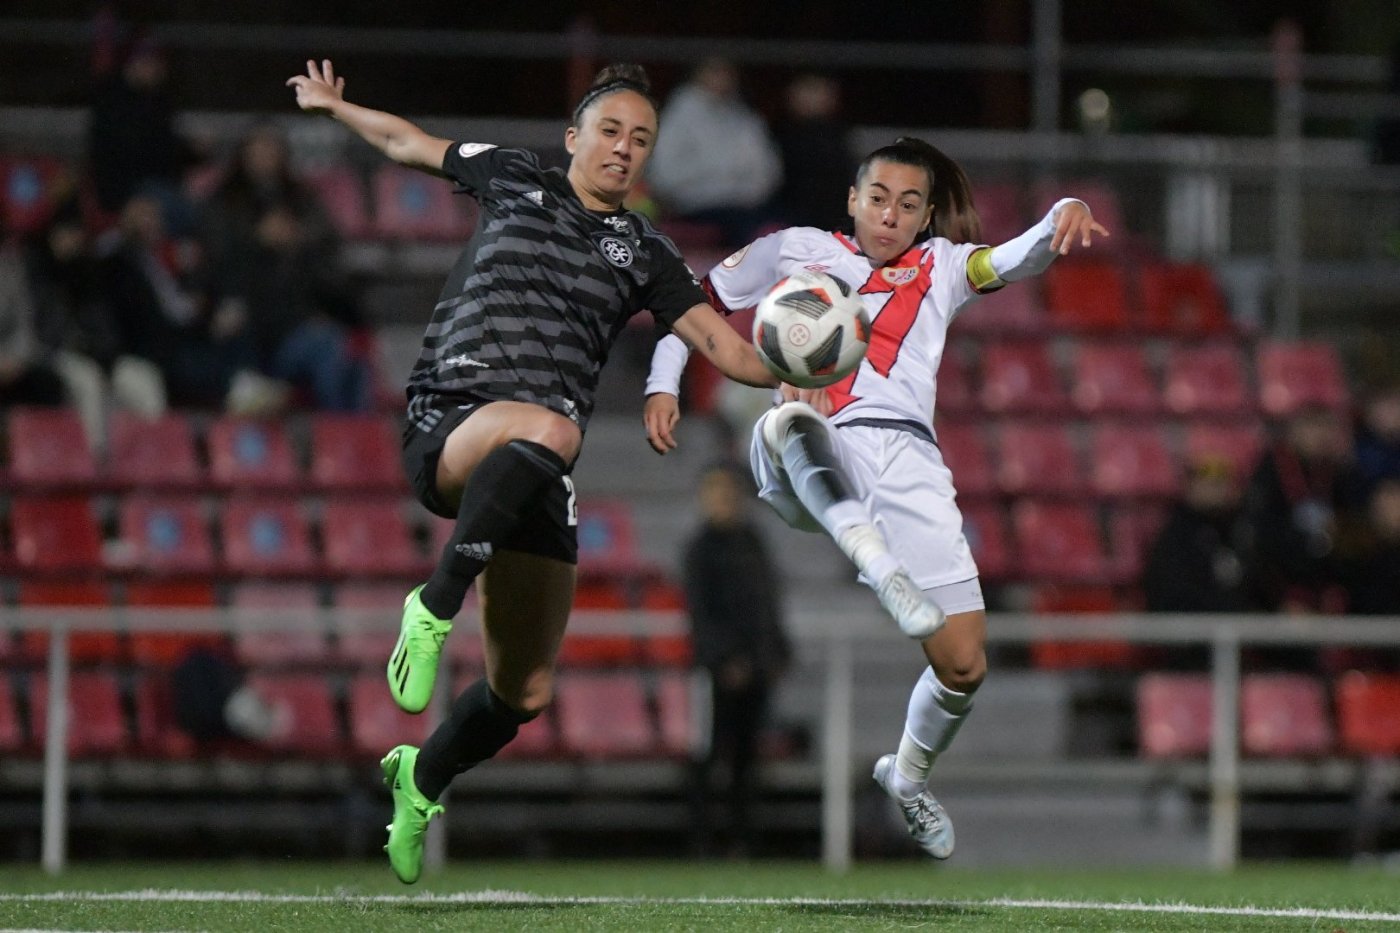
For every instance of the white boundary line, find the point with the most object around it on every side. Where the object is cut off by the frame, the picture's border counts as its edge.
(521, 897)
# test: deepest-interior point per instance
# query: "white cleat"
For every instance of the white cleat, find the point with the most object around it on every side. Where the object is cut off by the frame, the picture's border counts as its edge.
(927, 820)
(917, 616)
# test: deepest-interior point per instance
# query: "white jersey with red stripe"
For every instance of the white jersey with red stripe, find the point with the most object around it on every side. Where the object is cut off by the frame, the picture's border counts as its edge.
(911, 301)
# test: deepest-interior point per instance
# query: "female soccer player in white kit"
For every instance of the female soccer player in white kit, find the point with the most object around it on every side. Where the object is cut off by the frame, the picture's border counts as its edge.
(864, 464)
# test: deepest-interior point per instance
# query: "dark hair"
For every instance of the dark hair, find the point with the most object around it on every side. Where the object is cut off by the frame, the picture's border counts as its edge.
(620, 76)
(954, 215)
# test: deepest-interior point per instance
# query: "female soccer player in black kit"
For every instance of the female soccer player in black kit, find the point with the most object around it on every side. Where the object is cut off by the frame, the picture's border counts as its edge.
(500, 398)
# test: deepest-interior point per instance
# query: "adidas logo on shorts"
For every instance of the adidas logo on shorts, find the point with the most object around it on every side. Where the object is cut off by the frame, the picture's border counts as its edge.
(481, 552)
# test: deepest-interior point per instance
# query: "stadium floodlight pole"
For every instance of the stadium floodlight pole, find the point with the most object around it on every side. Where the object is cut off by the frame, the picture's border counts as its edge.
(836, 747)
(55, 820)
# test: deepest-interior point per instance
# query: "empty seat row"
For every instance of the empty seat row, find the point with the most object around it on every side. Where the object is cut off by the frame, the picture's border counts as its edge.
(1059, 542)
(1106, 459)
(596, 715)
(1280, 715)
(48, 449)
(1207, 379)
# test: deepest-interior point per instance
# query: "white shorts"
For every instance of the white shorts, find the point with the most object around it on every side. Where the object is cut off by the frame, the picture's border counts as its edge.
(904, 485)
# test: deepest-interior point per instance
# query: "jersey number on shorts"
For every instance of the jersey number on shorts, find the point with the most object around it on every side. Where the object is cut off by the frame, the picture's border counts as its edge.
(889, 329)
(572, 507)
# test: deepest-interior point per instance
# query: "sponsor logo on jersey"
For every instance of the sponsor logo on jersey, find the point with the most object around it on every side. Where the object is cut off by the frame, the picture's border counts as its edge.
(616, 251)
(733, 259)
(621, 224)
(816, 267)
(464, 360)
(900, 275)
(480, 551)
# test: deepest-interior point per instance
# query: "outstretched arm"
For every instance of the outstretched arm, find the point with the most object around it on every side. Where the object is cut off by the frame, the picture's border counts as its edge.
(320, 91)
(1067, 223)
(704, 329)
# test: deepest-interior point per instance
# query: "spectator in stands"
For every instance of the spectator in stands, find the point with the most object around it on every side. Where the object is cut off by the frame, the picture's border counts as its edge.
(1378, 435)
(1198, 561)
(871, 475)
(27, 375)
(77, 325)
(1297, 504)
(716, 163)
(160, 295)
(501, 395)
(816, 150)
(213, 701)
(276, 261)
(1375, 578)
(734, 597)
(133, 146)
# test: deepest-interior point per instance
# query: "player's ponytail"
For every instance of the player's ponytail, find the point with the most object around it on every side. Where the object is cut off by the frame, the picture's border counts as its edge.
(620, 76)
(954, 215)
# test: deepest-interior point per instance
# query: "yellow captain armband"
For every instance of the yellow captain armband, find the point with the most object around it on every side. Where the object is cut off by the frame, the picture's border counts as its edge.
(980, 273)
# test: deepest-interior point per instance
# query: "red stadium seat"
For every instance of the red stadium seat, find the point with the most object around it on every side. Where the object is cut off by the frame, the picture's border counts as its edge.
(11, 730)
(48, 449)
(986, 536)
(267, 537)
(342, 194)
(1366, 719)
(303, 712)
(1015, 310)
(1183, 300)
(607, 543)
(166, 649)
(1113, 378)
(579, 650)
(1174, 715)
(262, 647)
(251, 453)
(1079, 655)
(376, 722)
(371, 648)
(158, 733)
(96, 723)
(1295, 375)
(95, 647)
(965, 452)
(1284, 715)
(1238, 444)
(676, 714)
(370, 538)
(1059, 542)
(1087, 295)
(668, 650)
(152, 452)
(1131, 460)
(604, 715)
(1207, 380)
(1021, 378)
(411, 205)
(999, 209)
(1038, 459)
(1132, 529)
(354, 452)
(165, 535)
(955, 392)
(56, 536)
(28, 192)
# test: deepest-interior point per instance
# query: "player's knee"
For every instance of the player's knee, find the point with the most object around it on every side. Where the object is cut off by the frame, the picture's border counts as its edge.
(963, 671)
(789, 413)
(554, 431)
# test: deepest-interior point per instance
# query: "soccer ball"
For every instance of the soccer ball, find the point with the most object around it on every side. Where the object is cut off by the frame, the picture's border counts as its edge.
(811, 329)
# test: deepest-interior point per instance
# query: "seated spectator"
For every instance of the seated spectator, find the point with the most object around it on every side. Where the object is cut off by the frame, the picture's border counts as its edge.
(77, 327)
(1378, 435)
(27, 376)
(1375, 580)
(1298, 503)
(1198, 561)
(161, 303)
(817, 158)
(715, 162)
(276, 262)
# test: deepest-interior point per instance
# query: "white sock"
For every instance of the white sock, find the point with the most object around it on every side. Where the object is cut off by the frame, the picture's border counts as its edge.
(862, 542)
(935, 715)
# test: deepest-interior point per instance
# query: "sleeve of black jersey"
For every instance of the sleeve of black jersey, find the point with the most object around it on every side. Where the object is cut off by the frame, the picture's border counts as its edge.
(674, 290)
(473, 165)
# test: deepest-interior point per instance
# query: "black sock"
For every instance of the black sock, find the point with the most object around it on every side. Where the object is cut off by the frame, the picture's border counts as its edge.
(503, 488)
(479, 726)
(811, 465)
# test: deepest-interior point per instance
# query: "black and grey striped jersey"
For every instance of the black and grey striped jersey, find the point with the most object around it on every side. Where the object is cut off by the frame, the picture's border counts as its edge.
(542, 290)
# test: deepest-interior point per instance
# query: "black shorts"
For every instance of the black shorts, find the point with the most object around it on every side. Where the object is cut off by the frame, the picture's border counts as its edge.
(549, 529)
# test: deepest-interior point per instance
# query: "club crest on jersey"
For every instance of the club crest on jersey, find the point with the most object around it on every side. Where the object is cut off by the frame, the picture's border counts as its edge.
(616, 251)
(467, 150)
(900, 275)
(733, 259)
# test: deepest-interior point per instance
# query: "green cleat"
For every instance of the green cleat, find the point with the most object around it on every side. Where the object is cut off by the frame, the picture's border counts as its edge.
(413, 664)
(412, 811)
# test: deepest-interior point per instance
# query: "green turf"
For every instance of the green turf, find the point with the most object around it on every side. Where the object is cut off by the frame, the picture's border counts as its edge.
(947, 898)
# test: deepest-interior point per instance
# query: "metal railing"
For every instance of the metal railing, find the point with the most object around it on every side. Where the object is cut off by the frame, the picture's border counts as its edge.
(838, 638)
